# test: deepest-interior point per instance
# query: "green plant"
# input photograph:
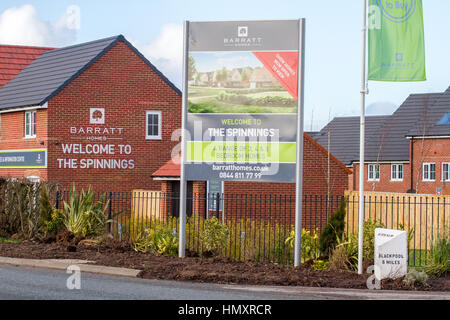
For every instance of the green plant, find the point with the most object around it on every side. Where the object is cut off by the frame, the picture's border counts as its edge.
(369, 227)
(333, 230)
(439, 262)
(414, 278)
(321, 265)
(157, 239)
(55, 223)
(85, 216)
(20, 209)
(4, 240)
(47, 208)
(214, 235)
(309, 244)
(345, 254)
(340, 259)
(168, 245)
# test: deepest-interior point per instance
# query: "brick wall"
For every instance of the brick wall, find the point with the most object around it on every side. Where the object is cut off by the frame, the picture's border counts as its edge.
(126, 87)
(429, 150)
(433, 151)
(384, 184)
(12, 137)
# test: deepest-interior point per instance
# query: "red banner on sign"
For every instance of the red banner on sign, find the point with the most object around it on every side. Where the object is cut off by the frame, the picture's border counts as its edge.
(283, 66)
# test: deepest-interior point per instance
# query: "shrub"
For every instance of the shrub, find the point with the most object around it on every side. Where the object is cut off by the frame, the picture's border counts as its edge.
(85, 216)
(345, 254)
(414, 278)
(333, 230)
(156, 239)
(340, 259)
(321, 265)
(55, 223)
(310, 248)
(439, 264)
(200, 108)
(369, 227)
(20, 209)
(214, 235)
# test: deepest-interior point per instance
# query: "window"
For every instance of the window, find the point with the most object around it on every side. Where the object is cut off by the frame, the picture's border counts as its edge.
(397, 172)
(30, 124)
(153, 125)
(446, 171)
(374, 172)
(429, 172)
(445, 119)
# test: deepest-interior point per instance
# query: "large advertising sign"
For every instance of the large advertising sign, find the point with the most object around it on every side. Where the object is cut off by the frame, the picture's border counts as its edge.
(242, 108)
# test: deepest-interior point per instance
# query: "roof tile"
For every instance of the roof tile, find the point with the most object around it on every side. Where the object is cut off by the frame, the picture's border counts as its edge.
(13, 59)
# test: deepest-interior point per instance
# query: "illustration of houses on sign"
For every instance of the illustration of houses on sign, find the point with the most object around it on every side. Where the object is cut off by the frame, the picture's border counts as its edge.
(261, 78)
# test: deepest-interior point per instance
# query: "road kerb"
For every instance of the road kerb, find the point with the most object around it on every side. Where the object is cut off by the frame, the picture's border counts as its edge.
(64, 264)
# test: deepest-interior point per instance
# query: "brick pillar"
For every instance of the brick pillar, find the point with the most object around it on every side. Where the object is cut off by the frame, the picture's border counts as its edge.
(199, 198)
(166, 199)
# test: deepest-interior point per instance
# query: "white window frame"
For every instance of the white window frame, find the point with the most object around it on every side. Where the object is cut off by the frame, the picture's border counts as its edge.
(30, 130)
(445, 179)
(397, 166)
(428, 178)
(153, 137)
(374, 175)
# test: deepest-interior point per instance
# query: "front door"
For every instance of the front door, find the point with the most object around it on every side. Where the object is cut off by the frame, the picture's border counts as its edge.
(176, 199)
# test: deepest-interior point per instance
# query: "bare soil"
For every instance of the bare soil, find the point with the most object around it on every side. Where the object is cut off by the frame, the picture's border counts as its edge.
(194, 268)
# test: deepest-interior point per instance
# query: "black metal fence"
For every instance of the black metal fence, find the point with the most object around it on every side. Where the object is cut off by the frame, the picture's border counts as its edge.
(260, 226)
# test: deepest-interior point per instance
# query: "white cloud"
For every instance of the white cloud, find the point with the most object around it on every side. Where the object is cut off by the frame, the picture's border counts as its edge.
(22, 26)
(166, 52)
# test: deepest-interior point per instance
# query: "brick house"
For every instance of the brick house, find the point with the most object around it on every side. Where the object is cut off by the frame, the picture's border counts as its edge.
(97, 114)
(407, 152)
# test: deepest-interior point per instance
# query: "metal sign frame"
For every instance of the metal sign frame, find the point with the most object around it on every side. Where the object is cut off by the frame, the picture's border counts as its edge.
(299, 151)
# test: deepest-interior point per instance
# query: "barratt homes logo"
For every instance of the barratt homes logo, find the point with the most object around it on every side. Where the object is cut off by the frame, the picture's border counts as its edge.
(397, 11)
(97, 116)
(243, 39)
(242, 32)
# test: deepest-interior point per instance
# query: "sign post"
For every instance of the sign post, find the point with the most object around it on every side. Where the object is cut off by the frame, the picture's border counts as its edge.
(299, 170)
(243, 99)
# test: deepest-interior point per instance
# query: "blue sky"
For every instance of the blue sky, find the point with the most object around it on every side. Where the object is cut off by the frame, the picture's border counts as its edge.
(333, 41)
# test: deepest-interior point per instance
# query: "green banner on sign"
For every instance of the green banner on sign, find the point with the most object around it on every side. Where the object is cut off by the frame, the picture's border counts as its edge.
(396, 41)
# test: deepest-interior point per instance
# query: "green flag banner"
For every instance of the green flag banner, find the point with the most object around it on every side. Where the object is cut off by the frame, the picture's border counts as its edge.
(396, 41)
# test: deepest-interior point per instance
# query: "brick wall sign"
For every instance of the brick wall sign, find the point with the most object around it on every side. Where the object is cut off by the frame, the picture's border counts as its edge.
(391, 256)
(242, 101)
(96, 146)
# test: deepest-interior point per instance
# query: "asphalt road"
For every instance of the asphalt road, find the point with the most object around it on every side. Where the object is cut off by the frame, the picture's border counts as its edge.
(26, 283)
(22, 283)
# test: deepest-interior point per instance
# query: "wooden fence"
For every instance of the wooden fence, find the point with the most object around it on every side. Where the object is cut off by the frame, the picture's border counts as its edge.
(427, 215)
(146, 204)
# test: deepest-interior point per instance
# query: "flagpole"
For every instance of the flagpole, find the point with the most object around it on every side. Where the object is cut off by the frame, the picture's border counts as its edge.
(300, 128)
(362, 140)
